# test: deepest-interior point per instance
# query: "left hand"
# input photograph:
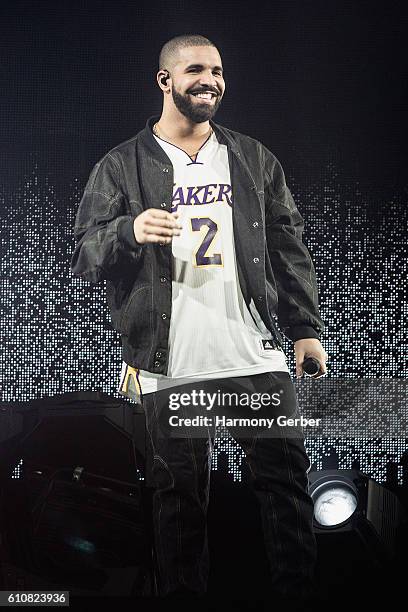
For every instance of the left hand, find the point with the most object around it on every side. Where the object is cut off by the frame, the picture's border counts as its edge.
(310, 347)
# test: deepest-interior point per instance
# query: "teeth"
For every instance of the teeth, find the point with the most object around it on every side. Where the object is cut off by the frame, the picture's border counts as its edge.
(208, 96)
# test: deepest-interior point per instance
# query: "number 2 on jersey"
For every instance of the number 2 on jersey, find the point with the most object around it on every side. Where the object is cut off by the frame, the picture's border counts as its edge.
(201, 258)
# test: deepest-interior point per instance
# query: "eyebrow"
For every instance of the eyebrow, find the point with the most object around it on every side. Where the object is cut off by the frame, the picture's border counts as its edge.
(201, 66)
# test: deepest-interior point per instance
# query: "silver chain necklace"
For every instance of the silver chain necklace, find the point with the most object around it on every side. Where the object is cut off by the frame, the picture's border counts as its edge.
(155, 131)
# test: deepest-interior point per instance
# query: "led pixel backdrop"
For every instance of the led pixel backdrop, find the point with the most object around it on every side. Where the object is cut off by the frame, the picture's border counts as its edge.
(56, 335)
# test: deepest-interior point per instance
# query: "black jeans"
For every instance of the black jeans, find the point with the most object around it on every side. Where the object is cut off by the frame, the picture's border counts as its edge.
(178, 468)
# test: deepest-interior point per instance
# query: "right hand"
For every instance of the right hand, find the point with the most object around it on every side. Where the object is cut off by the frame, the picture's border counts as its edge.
(157, 226)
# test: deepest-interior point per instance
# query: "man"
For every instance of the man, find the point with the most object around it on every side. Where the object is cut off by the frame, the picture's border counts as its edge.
(198, 237)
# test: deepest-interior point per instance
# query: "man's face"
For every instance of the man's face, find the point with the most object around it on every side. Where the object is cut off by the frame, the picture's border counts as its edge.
(199, 69)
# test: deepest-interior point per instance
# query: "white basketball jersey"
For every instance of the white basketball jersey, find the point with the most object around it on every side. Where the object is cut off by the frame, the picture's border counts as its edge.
(212, 333)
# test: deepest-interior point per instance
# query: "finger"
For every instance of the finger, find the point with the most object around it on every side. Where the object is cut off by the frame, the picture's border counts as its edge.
(299, 369)
(163, 215)
(161, 222)
(156, 223)
(156, 212)
(157, 239)
(299, 356)
(161, 231)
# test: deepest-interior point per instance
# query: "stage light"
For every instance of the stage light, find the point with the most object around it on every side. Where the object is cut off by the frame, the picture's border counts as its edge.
(334, 502)
(350, 501)
(72, 515)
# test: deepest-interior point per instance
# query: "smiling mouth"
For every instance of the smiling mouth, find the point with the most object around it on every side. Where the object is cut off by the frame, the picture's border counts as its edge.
(205, 97)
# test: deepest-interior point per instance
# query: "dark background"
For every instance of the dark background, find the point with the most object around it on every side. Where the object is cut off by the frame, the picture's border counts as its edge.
(309, 79)
(321, 84)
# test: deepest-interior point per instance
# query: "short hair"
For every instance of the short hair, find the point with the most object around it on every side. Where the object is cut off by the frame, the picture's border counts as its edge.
(169, 52)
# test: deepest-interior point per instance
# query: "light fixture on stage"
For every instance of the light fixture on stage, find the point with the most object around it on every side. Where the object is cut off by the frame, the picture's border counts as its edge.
(350, 501)
(74, 513)
(335, 500)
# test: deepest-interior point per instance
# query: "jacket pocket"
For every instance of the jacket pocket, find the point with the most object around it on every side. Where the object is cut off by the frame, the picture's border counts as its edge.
(135, 315)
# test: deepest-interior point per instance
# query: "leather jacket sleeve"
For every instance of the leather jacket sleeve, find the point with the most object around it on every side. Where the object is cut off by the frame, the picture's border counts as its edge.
(105, 241)
(298, 310)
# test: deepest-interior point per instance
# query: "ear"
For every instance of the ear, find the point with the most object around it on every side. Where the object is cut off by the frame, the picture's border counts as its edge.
(162, 79)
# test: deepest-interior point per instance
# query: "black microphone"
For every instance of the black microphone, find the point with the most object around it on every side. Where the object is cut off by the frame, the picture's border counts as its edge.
(311, 366)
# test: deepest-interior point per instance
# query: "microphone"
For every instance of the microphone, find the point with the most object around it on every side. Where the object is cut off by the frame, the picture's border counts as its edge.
(311, 366)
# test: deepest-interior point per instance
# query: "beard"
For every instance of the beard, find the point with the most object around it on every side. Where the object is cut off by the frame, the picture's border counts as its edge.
(195, 111)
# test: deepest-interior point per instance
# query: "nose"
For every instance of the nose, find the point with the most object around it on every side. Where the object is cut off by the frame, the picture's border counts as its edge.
(207, 79)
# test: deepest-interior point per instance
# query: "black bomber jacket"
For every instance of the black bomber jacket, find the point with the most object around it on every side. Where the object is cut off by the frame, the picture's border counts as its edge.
(274, 266)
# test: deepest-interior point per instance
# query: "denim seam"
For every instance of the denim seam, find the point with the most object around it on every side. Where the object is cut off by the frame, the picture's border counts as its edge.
(292, 481)
(190, 443)
(158, 532)
(276, 530)
(179, 542)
